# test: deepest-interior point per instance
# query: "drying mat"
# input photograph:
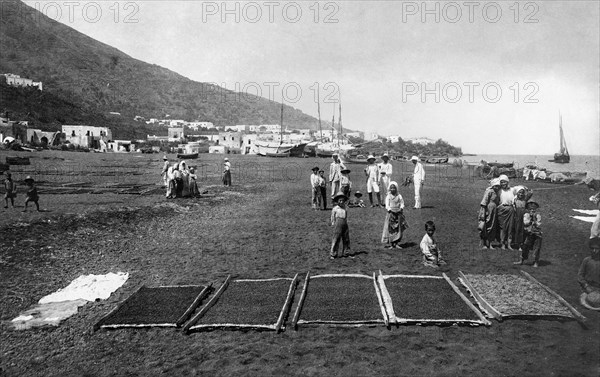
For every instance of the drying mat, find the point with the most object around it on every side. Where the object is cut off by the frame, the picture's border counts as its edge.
(424, 299)
(168, 306)
(260, 304)
(513, 296)
(349, 300)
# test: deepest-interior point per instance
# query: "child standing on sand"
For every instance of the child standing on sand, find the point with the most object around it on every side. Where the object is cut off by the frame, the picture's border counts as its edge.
(394, 224)
(11, 190)
(32, 194)
(316, 190)
(432, 255)
(341, 232)
(533, 233)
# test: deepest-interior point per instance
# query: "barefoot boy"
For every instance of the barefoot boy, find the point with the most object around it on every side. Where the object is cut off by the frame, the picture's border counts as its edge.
(532, 222)
(432, 256)
(10, 188)
(341, 233)
(32, 194)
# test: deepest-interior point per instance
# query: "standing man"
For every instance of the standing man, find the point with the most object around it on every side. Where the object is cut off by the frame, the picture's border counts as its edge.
(316, 188)
(385, 173)
(164, 171)
(418, 180)
(226, 172)
(335, 173)
(372, 173)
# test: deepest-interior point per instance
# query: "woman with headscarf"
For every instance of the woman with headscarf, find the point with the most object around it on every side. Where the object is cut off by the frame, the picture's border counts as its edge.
(395, 223)
(185, 179)
(488, 214)
(506, 212)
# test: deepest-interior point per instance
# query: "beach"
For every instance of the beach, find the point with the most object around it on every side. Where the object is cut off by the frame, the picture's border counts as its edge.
(263, 227)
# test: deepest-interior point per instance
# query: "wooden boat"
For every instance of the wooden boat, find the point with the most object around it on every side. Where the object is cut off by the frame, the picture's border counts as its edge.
(436, 160)
(562, 157)
(281, 154)
(506, 165)
(14, 160)
(187, 156)
(353, 159)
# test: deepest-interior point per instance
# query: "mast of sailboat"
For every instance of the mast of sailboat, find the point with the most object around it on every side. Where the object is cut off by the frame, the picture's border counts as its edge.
(563, 143)
(340, 123)
(333, 122)
(319, 113)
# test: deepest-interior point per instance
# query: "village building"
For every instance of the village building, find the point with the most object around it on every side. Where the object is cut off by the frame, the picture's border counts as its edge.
(176, 134)
(43, 138)
(16, 80)
(232, 140)
(120, 146)
(421, 140)
(87, 136)
(248, 141)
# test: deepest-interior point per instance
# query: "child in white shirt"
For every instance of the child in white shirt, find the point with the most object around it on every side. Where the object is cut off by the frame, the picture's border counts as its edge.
(432, 256)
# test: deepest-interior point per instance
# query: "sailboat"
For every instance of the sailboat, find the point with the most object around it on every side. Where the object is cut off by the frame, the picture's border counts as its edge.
(562, 157)
(274, 148)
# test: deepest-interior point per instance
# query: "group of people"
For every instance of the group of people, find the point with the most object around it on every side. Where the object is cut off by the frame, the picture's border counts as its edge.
(10, 192)
(379, 181)
(179, 180)
(509, 217)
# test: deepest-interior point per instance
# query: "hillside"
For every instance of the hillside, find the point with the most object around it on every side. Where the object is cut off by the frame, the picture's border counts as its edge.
(91, 78)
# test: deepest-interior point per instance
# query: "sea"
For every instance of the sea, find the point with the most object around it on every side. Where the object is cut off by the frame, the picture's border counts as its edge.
(581, 164)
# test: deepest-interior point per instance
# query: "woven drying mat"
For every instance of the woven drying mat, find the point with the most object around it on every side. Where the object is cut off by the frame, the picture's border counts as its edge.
(514, 296)
(347, 300)
(259, 304)
(168, 306)
(422, 299)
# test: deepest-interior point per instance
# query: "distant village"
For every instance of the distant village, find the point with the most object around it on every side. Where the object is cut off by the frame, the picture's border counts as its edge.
(182, 136)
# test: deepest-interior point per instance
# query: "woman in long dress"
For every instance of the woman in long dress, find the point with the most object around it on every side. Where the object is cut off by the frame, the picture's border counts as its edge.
(506, 212)
(395, 223)
(523, 195)
(488, 214)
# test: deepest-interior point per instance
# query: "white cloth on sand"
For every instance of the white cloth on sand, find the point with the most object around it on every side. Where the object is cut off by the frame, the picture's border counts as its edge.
(88, 287)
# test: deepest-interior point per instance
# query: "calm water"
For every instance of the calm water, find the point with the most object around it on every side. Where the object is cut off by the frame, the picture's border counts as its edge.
(578, 163)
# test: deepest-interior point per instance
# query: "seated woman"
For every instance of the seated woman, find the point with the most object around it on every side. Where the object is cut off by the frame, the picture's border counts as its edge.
(589, 276)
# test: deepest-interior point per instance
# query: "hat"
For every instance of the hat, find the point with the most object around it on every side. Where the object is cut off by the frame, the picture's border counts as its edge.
(503, 177)
(335, 155)
(495, 182)
(414, 158)
(385, 155)
(345, 171)
(591, 300)
(370, 157)
(165, 157)
(519, 188)
(339, 195)
(225, 159)
(532, 203)
(321, 171)
(594, 243)
(316, 168)
(392, 183)
(28, 178)
(358, 194)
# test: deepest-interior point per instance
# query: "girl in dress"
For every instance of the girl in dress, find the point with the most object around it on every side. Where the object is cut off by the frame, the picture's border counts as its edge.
(395, 223)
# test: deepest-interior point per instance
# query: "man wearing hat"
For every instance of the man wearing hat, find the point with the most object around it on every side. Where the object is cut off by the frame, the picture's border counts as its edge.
(165, 169)
(316, 189)
(335, 173)
(372, 173)
(226, 172)
(418, 180)
(589, 276)
(385, 173)
(533, 233)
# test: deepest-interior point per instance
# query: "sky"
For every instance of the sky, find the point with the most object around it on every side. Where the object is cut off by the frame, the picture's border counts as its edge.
(490, 77)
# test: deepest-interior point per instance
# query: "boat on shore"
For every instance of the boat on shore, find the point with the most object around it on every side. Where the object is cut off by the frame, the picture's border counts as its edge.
(187, 156)
(436, 160)
(562, 157)
(15, 160)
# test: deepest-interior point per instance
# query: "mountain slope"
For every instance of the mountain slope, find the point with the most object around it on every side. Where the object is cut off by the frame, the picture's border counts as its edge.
(97, 78)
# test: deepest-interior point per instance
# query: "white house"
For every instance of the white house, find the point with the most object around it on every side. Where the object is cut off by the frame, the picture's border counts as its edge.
(16, 80)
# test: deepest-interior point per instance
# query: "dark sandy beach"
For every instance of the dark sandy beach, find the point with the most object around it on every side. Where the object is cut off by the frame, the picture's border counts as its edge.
(263, 227)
